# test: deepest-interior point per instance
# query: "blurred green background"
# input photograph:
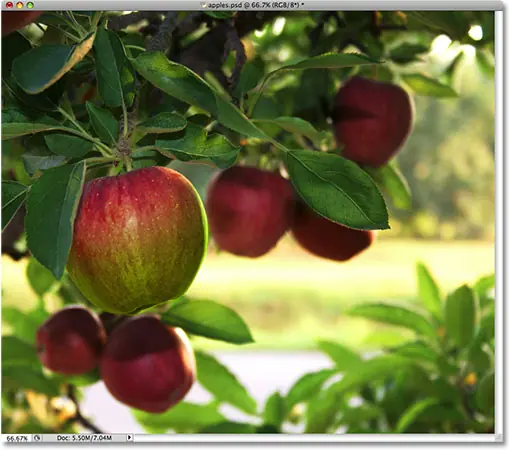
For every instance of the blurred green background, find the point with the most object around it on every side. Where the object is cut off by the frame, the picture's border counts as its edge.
(289, 298)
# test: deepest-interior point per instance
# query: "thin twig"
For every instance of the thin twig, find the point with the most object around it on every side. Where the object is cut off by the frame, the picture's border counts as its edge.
(78, 417)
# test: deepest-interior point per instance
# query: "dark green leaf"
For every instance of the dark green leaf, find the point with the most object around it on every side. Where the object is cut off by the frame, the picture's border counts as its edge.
(165, 122)
(51, 63)
(369, 371)
(393, 183)
(14, 124)
(38, 157)
(424, 85)
(183, 417)
(250, 76)
(222, 384)
(115, 75)
(275, 410)
(13, 45)
(487, 327)
(192, 144)
(395, 315)
(40, 279)
(330, 61)
(412, 413)
(51, 209)
(180, 82)
(485, 395)
(229, 428)
(67, 145)
(307, 386)
(337, 189)
(460, 316)
(479, 359)
(406, 53)
(344, 358)
(208, 319)
(30, 377)
(429, 293)
(294, 125)
(13, 196)
(104, 124)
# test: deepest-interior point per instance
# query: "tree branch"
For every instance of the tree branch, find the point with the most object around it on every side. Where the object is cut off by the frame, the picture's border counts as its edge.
(78, 417)
(119, 22)
(233, 43)
(162, 39)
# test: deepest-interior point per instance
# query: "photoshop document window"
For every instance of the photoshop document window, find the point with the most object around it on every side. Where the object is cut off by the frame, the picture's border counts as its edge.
(251, 221)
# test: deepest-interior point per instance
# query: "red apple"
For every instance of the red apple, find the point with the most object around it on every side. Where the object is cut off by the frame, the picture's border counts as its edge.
(14, 20)
(372, 120)
(249, 210)
(139, 239)
(327, 239)
(148, 365)
(70, 341)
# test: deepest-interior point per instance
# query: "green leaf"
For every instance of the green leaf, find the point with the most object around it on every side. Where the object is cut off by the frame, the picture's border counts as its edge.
(192, 144)
(52, 62)
(24, 324)
(424, 85)
(104, 123)
(38, 157)
(485, 285)
(343, 357)
(13, 196)
(479, 359)
(209, 319)
(330, 61)
(412, 414)
(183, 417)
(359, 414)
(487, 327)
(250, 76)
(417, 350)
(460, 316)
(51, 209)
(294, 125)
(393, 183)
(307, 386)
(321, 412)
(485, 395)
(406, 53)
(337, 189)
(275, 410)
(220, 14)
(165, 122)
(14, 125)
(30, 377)
(395, 315)
(229, 428)
(115, 80)
(182, 83)
(222, 384)
(86, 379)
(16, 352)
(429, 293)
(41, 280)
(67, 145)
(369, 371)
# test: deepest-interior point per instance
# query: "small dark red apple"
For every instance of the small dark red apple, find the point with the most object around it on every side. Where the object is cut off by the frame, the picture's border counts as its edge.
(70, 342)
(14, 20)
(372, 120)
(249, 210)
(148, 365)
(327, 239)
(139, 239)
